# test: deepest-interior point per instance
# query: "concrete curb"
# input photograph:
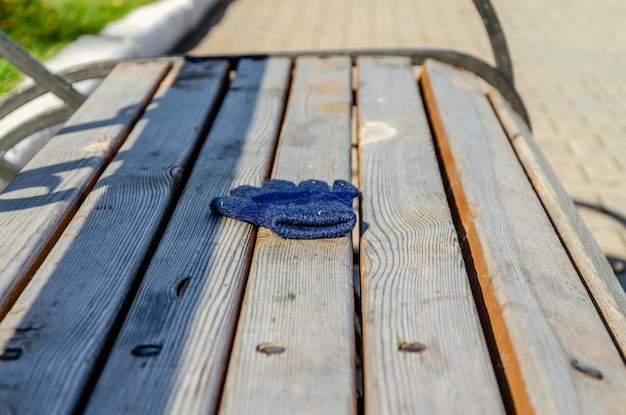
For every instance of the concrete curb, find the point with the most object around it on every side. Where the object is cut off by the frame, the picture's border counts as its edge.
(148, 31)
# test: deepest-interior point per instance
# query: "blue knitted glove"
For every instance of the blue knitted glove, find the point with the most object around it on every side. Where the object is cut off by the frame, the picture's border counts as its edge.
(310, 210)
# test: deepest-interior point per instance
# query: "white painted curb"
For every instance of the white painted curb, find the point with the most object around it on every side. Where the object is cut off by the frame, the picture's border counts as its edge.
(147, 31)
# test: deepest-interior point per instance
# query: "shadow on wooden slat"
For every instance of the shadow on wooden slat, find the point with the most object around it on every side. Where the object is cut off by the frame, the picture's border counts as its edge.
(46, 177)
(64, 327)
(43, 178)
(101, 123)
(172, 353)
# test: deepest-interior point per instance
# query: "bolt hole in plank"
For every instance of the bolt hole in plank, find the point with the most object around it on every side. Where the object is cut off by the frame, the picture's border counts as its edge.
(182, 286)
(10, 353)
(146, 350)
(271, 348)
(587, 370)
(412, 347)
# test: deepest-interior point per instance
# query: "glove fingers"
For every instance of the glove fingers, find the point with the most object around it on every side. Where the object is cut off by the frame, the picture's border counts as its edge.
(314, 186)
(246, 191)
(279, 185)
(239, 208)
(308, 211)
(343, 186)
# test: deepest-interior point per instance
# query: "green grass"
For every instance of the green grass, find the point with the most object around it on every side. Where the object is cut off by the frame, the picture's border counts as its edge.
(43, 27)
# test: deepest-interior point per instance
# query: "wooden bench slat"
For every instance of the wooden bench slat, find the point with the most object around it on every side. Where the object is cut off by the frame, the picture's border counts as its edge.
(300, 292)
(414, 284)
(62, 320)
(38, 203)
(591, 262)
(190, 297)
(544, 323)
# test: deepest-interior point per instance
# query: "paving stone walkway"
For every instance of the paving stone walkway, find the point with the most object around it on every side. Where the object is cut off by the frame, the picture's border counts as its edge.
(569, 60)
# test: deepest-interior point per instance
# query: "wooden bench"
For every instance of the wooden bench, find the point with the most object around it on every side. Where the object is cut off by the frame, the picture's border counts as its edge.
(480, 289)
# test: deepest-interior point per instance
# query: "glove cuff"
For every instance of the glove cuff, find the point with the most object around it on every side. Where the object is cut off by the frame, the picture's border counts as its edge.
(328, 220)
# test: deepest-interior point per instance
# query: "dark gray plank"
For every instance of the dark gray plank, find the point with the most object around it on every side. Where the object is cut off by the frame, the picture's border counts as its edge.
(38, 203)
(414, 283)
(300, 292)
(63, 318)
(190, 297)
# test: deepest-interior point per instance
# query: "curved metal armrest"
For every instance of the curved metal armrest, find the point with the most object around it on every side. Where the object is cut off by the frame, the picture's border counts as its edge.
(496, 38)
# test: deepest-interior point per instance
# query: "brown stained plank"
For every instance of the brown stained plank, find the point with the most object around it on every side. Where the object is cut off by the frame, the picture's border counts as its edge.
(415, 288)
(190, 296)
(300, 293)
(589, 259)
(38, 203)
(552, 342)
(62, 319)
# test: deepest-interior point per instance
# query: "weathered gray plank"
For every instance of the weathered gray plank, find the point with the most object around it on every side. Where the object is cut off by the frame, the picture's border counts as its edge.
(63, 318)
(414, 285)
(36, 205)
(190, 297)
(555, 350)
(300, 293)
(593, 266)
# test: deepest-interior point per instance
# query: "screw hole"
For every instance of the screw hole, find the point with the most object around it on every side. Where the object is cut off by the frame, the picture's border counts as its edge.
(587, 370)
(10, 353)
(147, 350)
(271, 348)
(182, 286)
(412, 347)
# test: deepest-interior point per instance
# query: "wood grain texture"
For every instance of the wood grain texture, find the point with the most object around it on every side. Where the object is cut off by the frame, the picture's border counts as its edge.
(300, 293)
(413, 280)
(63, 318)
(189, 300)
(551, 339)
(593, 266)
(38, 203)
